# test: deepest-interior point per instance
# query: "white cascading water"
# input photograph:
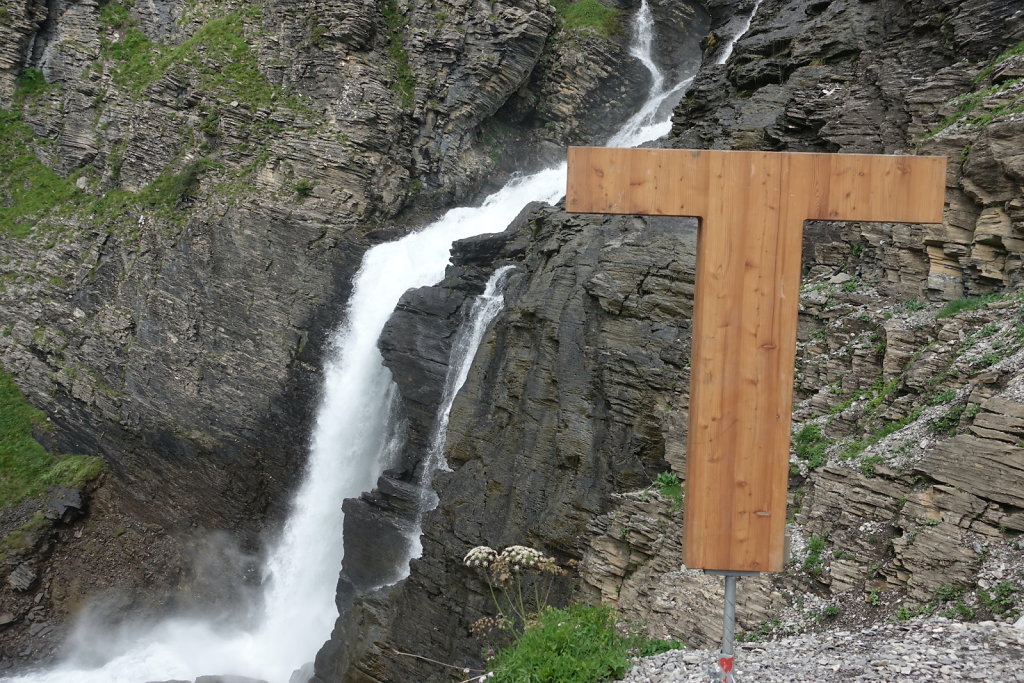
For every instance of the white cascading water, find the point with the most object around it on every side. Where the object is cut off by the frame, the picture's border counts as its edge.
(485, 308)
(350, 448)
(653, 120)
(726, 52)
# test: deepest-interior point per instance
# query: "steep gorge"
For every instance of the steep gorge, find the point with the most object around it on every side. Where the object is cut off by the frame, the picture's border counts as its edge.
(178, 334)
(907, 458)
(191, 190)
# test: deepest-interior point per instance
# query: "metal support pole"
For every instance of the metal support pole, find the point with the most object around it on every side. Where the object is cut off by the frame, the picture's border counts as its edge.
(725, 659)
(723, 672)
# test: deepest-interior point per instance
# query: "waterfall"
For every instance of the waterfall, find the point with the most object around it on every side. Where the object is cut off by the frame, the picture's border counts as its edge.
(726, 52)
(484, 309)
(653, 120)
(350, 447)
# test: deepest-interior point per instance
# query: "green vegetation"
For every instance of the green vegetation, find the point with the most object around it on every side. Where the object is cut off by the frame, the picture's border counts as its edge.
(954, 603)
(31, 188)
(829, 612)
(35, 192)
(959, 610)
(812, 564)
(170, 188)
(967, 103)
(114, 14)
(670, 487)
(851, 285)
(855, 447)
(867, 465)
(589, 15)
(217, 56)
(912, 305)
(948, 423)
(405, 80)
(943, 595)
(1002, 601)
(579, 644)
(25, 535)
(968, 304)
(26, 469)
(763, 631)
(30, 82)
(810, 445)
(1014, 51)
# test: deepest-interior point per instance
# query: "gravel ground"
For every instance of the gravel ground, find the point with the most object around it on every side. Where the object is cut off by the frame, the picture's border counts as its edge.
(932, 649)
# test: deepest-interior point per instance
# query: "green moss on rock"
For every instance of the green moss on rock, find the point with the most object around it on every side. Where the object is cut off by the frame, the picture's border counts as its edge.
(589, 15)
(26, 468)
(28, 189)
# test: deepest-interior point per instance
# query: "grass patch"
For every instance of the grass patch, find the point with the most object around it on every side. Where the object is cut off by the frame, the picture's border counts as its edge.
(669, 486)
(26, 468)
(114, 14)
(217, 57)
(810, 445)
(950, 599)
(867, 465)
(28, 188)
(1014, 51)
(404, 84)
(967, 103)
(589, 15)
(24, 537)
(812, 563)
(172, 188)
(948, 423)
(578, 644)
(969, 304)
(30, 82)
(1001, 601)
(34, 192)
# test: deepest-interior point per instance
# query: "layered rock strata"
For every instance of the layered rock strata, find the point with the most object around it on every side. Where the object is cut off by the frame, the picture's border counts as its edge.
(893, 400)
(195, 187)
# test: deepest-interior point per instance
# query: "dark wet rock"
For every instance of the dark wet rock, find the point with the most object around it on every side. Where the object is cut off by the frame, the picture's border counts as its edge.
(416, 343)
(64, 505)
(378, 528)
(576, 439)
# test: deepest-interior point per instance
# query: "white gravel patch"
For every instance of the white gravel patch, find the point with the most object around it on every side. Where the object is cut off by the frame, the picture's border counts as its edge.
(925, 649)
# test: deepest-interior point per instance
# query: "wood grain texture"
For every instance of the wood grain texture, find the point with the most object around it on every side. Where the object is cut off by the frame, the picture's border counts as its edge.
(752, 207)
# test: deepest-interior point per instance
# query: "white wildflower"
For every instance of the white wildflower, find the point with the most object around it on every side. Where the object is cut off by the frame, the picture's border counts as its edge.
(480, 556)
(522, 557)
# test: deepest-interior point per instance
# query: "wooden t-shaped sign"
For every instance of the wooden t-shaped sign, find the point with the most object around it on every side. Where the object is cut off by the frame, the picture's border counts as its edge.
(752, 207)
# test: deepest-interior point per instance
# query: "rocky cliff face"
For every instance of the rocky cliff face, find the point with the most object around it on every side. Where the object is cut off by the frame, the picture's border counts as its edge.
(197, 184)
(187, 191)
(906, 468)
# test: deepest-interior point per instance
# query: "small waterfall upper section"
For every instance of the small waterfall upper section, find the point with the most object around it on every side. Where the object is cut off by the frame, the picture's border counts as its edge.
(654, 119)
(352, 444)
(726, 52)
(484, 309)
